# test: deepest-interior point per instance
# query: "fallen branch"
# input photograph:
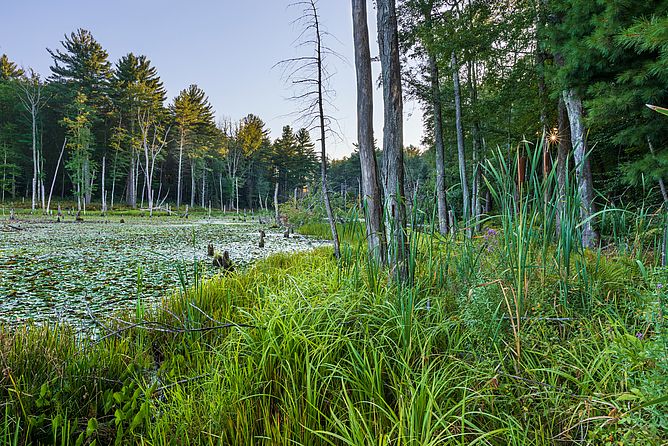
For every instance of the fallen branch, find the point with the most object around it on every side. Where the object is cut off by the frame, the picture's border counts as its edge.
(164, 328)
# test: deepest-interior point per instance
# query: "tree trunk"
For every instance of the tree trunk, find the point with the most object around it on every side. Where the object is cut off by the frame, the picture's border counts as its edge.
(180, 173)
(662, 186)
(220, 185)
(460, 141)
(236, 189)
(4, 176)
(393, 136)
(477, 178)
(373, 205)
(132, 181)
(203, 184)
(441, 197)
(192, 184)
(88, 181)
(33, 115)
(55, 175)
(102, 186)
(563, 149)
(583, 172)
(276, 213)
(321, 124)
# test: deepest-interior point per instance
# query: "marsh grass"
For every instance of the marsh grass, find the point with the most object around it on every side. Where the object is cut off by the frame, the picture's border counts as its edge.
(514, 336)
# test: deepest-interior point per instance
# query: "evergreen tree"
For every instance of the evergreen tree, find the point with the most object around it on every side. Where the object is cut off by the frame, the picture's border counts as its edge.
(193, 115)
(8, 69)
(135, 88)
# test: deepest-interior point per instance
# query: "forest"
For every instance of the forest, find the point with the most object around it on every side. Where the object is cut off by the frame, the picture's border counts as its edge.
(502, 283)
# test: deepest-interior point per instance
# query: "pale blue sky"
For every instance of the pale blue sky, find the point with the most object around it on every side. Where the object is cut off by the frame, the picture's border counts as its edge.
(227, 47)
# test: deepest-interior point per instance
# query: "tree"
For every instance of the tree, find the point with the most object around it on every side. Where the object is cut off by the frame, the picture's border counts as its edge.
(251, 136)
(419, 36)
(9, 70)
(573, 73)
(10, 151)
(84, 65)
(373, 205)
(633, 48)
(32, 98)
(135, 89)
(83, 68)
(192, 114)
(80, 139)
(393, 136)
(310, 73)
(154, 136)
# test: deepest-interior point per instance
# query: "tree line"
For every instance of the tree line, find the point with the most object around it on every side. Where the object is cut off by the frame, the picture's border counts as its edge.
(104, 133)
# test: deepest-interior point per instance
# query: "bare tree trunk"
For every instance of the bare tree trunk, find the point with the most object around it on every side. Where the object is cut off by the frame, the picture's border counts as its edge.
(203, 184)
(4, 176)
(192, 184)
(460, 140)
(393, 135)
(476, 208)
(132, 182)
(180, 174)
(441, 197)
(113, 181)
(55, 175)
(33, 114)
(102, 186)
(236, 189)
(276, 213)
(87, 181)
(583, 172)
(220, 185)
(373, 205)
(321, 120)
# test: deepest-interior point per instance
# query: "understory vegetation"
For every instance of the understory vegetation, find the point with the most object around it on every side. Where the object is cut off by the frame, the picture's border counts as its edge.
(514, 336)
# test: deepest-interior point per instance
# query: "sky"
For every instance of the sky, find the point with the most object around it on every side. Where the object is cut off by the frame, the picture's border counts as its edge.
(227, 47)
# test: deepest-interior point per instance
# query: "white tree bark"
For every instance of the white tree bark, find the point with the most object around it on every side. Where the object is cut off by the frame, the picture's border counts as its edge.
(180, 174)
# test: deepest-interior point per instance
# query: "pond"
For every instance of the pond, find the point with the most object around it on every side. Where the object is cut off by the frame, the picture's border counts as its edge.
(67, 271)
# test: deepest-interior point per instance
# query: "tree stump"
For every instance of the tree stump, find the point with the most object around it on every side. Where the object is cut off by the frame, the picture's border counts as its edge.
(223, 261)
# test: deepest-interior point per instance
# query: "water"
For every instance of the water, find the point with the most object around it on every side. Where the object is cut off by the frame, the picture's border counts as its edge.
(73, 272)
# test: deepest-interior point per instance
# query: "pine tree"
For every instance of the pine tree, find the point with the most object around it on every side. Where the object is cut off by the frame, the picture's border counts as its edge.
(135, 88)
(9, 70)
(193, 116)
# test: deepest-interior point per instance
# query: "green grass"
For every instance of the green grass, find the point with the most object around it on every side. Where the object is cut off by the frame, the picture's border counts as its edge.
(511, 337)
(319, 357)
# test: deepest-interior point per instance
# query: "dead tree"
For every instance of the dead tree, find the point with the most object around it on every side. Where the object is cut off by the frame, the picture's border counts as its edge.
(153, 141)
(373, 205)
(388, 41)
(33, 100)
(309, 75)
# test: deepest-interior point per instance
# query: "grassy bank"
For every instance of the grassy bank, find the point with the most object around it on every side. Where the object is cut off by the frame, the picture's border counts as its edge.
(303, 349)
(514, 336)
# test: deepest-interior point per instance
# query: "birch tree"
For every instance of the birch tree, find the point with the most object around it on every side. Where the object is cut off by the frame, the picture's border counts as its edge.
(154, 138)
(31, 95)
